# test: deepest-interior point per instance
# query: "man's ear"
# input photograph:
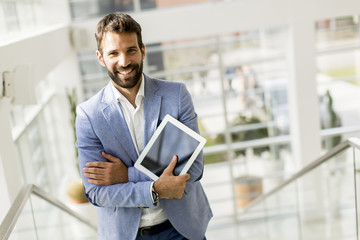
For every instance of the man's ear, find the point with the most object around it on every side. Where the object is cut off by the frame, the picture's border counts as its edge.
(143, 51)
(100, 58)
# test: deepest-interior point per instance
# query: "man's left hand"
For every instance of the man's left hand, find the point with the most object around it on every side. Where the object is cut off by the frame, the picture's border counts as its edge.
(106, 173)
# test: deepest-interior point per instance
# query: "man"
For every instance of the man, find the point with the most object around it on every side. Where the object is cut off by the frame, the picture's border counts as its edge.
(112, 129)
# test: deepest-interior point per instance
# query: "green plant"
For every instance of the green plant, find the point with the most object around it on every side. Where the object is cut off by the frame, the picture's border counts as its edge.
(75, 190)
(331, 120)
(248, 134)
(72, 100)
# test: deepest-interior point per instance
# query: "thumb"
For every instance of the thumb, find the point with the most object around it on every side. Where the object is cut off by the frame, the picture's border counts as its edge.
(170, 168)
(185, 176)
(110, 158)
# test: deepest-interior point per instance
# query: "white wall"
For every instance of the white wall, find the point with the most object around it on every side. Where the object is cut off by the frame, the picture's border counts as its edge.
(44, 51)
(10, 181)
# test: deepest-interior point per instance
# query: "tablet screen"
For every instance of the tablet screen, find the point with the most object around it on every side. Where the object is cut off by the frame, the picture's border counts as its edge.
(171, 141)
(171, 138)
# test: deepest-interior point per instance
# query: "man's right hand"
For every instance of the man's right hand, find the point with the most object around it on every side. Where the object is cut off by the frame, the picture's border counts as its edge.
(170, 186)
(106, 173)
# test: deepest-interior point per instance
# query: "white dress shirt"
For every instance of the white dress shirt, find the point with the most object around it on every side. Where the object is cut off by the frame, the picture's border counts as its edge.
(135, 120)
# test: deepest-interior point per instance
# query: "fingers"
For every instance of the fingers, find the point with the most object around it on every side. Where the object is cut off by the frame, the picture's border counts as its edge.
(185, 176)
(93, 170)
(93, 176)
(170, 168)
(109, 172)
(110, 157)
(100, 164)
(170, 186)
(97, 182)
(96, 166)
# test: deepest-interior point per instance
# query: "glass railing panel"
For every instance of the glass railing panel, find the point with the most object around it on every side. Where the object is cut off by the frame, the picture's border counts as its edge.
(327, 207)
(281, 214)
(252, 224)
(320, 204)
(37, 215)
(56, 224)
(271, 218)
(25, 226)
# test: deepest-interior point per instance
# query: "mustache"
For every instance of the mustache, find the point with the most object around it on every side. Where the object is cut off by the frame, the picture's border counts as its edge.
(130, 66)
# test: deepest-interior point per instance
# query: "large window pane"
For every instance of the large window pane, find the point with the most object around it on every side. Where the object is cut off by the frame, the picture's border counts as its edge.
(338, 75)
(43, 151)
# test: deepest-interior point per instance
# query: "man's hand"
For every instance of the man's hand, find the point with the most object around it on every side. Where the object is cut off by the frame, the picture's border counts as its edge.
(170, 186)
(106, 173)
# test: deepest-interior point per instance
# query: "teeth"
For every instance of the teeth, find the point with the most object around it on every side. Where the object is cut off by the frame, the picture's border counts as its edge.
(127, 72)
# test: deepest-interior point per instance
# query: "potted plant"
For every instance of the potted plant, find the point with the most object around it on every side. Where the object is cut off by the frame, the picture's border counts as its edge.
(247, 187)
(75, 190)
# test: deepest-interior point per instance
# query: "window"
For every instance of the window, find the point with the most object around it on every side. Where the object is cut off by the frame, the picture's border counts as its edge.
(338, 76)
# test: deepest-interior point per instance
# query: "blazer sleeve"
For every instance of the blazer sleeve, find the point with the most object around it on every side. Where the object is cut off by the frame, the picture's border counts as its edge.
(188, 116)
(131, 194)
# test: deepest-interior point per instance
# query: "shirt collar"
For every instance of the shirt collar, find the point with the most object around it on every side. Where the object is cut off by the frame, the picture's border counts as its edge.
(119, 96)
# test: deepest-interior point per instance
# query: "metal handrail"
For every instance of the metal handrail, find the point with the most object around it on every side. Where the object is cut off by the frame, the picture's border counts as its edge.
(350, 142)
(282, 139)
(21, 199)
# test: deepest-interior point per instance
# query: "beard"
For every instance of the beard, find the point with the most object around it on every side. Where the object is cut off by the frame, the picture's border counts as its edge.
(129, 82)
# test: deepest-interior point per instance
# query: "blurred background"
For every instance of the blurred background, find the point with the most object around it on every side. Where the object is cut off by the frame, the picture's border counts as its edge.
(275, 84)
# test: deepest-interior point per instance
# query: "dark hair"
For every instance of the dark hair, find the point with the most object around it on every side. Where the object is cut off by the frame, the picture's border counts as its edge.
(119, 23)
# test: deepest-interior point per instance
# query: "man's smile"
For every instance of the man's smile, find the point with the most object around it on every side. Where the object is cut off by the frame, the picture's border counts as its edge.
(125, 71)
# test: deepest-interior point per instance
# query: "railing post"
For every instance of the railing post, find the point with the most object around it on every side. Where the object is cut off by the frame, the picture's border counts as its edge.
(356, 193)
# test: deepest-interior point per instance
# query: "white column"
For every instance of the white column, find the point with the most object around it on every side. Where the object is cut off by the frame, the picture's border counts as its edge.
(305, 114)
(357, 52)
(302, 93)
(10, 172)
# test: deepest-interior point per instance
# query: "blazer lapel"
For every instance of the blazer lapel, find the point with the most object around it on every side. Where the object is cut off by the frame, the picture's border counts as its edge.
(152, 104)
(115, 118)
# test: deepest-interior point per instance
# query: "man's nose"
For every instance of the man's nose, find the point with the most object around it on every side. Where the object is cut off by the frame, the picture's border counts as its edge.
(123, 60)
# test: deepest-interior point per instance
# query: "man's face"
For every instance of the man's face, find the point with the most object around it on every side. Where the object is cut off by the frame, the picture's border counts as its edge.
(122, 58)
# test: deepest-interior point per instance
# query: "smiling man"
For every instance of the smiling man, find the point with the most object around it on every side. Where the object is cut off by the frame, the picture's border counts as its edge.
(112, 129)
(123, 58)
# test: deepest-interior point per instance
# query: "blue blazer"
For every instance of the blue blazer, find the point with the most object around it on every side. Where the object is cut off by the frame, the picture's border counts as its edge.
(101, 126)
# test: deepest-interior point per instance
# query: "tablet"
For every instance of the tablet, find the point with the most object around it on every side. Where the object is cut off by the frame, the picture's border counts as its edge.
(170, 138)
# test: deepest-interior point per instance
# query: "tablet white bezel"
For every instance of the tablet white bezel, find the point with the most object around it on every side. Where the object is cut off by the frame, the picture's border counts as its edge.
(169, 119)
